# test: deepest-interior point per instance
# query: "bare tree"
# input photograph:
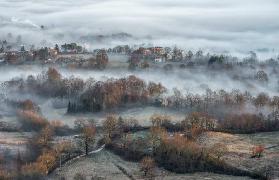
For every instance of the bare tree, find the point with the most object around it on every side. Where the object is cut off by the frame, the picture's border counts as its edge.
(88, 135)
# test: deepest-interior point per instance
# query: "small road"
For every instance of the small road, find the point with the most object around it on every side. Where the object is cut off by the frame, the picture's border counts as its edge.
(102, 164)
(83, 155)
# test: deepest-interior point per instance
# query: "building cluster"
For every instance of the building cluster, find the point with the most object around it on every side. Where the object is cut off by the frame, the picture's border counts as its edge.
(20, 55)
(156, 55)
(139, 56)
(9, 55)
(153, 54)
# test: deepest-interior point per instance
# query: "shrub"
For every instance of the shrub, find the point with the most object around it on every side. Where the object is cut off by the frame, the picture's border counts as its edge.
(147, 166)
(180, 155)
(31, 120)
(257, 151)
(244, 123)
(46, 162)
(30, 171)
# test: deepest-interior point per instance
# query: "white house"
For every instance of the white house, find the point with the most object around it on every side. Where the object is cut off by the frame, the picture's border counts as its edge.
(159, 60)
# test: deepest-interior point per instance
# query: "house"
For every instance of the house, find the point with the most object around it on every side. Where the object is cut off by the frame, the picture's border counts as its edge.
(52, 52)
(169, 56)
(158, 50)
(159, 59)
(147, 52)
(17, 57)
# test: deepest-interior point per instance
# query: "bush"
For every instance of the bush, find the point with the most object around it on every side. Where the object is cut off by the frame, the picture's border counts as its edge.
(31, 120)
(30, 172)
(180, 155)
(147, 165)
(257, 151)
(130, 148)
(244, 123)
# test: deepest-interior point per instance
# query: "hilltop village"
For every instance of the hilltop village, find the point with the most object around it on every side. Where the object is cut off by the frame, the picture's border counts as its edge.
(78, 56)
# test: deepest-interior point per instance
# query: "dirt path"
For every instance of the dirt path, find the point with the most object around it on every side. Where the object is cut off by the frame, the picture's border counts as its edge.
(124, 171)
(99, 165)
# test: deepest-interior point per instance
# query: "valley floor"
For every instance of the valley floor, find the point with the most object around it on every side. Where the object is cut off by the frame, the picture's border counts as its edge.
(106, 165)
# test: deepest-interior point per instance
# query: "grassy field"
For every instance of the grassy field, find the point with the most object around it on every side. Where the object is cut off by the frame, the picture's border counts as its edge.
(106, 165)
(269, 139)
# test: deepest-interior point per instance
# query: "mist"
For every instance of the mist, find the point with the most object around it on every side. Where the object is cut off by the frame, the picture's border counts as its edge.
(195, 81)
(217, 26)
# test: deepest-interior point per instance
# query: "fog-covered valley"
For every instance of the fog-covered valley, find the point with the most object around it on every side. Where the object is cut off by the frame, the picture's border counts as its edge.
(162, 89)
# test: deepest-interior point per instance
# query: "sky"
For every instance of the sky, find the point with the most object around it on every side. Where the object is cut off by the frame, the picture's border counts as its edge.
(237, 26)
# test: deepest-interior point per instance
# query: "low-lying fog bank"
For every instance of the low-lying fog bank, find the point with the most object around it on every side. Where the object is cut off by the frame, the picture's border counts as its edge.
(142, 114)
(194, 81)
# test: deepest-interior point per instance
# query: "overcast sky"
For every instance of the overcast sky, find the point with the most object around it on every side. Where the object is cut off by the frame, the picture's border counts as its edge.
(217, 25)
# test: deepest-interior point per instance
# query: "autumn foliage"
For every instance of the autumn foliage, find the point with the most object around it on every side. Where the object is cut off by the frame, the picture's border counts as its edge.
(147, 166)
(243, 123)
(31, 120)
(257, 151)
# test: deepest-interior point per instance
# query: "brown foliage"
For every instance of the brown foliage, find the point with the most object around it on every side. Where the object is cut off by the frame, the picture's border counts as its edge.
(53, 75)
(180, 154)
(101, 60)
(156, 135)
(155, 89)
(30, 169)
(62, 147)
(46, 162)
(45, 136)
(218, 150)
(110, 126)
(28, 105)
(198, 121)
(159, 120)
(257, 151)
(242, 123)
(261, 100)
(31, 120)
(147, 165)
(112, 93)
(56, 123)
(88, 132)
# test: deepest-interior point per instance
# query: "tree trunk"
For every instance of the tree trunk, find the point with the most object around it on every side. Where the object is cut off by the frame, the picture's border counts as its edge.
(86, 147)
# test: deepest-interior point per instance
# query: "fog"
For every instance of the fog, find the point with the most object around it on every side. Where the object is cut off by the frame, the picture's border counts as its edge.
(194, 81)
(233, 25)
